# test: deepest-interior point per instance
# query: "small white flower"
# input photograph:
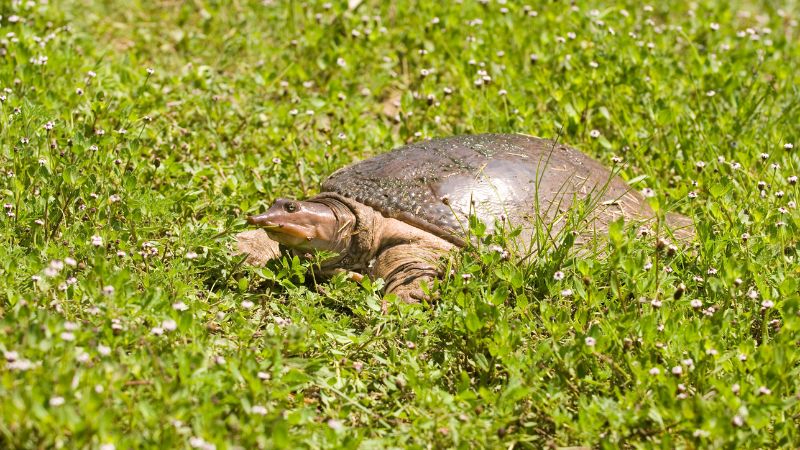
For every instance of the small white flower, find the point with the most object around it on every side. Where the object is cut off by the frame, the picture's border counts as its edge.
(714, 26)
(103, 350)
(264, 376)
(590, 341)
(259, 409)
(191, 255)
(150, 71)
(766, 304)
(788, 146)
(97, 241)
(558, 276)
(737, 421)
(594, 133)
(247, 304)
(158, 331)
(20, 365)
(335, 424)
(169, 325)
(655, 371)
(763, 390)
(56, 401)
(655, 303)
(67, 336)
(180, 306)
(677, 370)
(108, 446)
(648, 193)
(566, 293)
(696, 304)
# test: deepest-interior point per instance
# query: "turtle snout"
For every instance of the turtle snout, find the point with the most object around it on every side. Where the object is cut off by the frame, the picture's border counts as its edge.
(259, 220)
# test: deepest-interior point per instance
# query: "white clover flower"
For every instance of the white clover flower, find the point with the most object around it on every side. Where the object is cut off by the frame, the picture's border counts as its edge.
(180, 306)
(677, 370)
(97, 241)
(169, 325)
(335, 424)
(655, 371)
(67, 336)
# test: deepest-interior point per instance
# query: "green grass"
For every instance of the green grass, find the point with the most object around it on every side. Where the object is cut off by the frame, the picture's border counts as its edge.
(252, 100)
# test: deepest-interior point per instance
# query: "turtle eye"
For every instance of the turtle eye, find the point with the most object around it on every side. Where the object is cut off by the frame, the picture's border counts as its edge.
(290, 207)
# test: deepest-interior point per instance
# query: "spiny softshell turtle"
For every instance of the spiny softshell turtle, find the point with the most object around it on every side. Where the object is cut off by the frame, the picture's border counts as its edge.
(394, 215)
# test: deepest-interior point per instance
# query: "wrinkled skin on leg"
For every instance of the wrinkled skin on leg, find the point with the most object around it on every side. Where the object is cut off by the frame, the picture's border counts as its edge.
(408, 257)
(366, 241)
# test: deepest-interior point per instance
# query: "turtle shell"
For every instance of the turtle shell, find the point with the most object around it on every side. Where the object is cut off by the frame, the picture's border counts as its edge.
(501, 178)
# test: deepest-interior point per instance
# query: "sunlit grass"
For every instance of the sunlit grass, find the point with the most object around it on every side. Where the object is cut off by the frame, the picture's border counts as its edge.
(136, 136)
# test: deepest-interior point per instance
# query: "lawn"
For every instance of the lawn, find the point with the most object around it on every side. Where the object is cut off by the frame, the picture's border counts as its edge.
(135, 137)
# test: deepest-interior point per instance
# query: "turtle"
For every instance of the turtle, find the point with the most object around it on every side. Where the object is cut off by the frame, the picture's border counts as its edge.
(393, 216)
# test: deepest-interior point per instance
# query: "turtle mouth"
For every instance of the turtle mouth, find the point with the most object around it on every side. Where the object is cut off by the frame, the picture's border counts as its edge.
(271, 227)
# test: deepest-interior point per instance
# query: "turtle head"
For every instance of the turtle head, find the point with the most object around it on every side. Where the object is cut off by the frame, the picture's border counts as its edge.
(300, 225)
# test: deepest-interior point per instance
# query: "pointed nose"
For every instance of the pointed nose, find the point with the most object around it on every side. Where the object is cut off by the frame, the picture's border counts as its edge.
(259, 220)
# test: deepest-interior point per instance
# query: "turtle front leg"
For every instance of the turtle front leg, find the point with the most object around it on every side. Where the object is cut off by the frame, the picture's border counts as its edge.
(404, 267)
